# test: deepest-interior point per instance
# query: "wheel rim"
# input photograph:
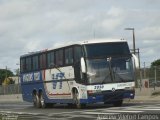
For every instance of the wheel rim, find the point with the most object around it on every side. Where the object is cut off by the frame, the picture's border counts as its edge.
(76, 98)
(42, 100)
(34, 100)
(77, 101)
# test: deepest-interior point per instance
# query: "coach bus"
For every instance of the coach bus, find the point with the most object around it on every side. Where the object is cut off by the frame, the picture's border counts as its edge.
(78, 74)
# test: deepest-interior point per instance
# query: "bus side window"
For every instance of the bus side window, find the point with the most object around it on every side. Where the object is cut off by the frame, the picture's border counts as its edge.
(28, 64)
(50, 59)
(42, 61)
(22, 65)
(59, 57)
(35, 62)
(77, 53)
(68, 56)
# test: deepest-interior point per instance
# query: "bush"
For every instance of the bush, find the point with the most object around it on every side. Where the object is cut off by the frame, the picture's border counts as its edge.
(156, 93)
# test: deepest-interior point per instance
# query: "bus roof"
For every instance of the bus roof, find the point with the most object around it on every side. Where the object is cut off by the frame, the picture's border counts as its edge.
(102, 41)
(76, 43)
(88, 42)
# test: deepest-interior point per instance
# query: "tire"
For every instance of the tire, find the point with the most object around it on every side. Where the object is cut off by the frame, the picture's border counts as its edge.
(106, 103)
(77, 100)
(71, 105)
(118, 103)
(36, 101)
(43, 104)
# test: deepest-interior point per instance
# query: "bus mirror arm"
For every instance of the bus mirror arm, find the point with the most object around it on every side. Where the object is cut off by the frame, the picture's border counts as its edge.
(136, 61)
(83, 65)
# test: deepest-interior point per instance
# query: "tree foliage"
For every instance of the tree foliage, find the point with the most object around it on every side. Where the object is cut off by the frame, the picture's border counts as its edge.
(8, 81)
(155, 63)
(5, 73)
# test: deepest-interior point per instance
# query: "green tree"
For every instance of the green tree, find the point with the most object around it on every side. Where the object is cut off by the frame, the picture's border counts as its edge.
(17, 72)
(5, 73)
(155, 63)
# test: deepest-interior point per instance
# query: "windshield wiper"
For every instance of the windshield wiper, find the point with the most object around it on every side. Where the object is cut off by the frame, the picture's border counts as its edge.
(103, 81)
(110, 70)
(115, 73)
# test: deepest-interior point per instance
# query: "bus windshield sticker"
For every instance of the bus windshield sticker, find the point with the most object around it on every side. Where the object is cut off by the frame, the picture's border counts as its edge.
(37, 76)
(28, 77)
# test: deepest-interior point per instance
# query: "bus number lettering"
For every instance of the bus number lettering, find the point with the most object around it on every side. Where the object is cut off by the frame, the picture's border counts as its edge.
(97, 87)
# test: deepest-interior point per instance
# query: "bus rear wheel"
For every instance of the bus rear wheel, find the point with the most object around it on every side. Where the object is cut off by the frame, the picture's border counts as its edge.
(43, 104)
(36, 101)
(42, 101)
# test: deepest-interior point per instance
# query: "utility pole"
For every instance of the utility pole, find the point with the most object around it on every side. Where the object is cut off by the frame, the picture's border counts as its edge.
(144, 69)
(6, 72)
(155, 80)
(140, 71)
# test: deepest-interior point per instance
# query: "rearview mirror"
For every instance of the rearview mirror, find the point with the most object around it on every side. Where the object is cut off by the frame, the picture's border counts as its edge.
(83, 65)
(136, 61)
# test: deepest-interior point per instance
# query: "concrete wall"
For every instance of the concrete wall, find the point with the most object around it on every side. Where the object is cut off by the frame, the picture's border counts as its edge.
(11, 98)
(146, 91)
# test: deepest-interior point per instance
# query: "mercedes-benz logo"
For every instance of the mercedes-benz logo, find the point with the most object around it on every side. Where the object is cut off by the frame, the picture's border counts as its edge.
(113, 89)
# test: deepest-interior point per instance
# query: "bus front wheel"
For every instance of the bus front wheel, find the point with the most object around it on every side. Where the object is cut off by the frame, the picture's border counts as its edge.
(77, 100)
(118, 103)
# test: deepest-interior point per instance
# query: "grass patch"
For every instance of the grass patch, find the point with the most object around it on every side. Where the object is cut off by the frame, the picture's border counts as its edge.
(156, 93)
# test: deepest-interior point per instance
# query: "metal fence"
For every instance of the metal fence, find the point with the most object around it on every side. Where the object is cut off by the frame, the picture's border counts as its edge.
(150, 75)
(10, 89)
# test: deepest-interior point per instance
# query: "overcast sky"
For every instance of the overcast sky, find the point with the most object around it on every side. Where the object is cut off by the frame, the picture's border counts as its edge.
(31, 25)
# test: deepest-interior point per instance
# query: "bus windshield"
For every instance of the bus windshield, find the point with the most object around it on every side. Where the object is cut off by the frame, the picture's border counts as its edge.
(108, 62)
(101, 71)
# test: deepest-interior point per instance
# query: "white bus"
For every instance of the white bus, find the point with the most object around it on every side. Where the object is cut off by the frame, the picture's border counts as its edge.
(79, 74)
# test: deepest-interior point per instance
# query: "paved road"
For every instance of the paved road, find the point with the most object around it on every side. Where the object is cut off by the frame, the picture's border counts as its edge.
(129, 111)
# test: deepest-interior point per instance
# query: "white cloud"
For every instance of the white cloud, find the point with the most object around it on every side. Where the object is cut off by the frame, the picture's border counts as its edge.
(115, 12)
(150, 33)
(111, 24)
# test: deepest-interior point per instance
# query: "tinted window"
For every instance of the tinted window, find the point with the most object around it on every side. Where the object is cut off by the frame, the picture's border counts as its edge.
(35, 62)
(50, 59)
(68, 56)
(22, 65)
(77, 53)
(28, 64)
(59, 57)
(106, 49)
(42, 61)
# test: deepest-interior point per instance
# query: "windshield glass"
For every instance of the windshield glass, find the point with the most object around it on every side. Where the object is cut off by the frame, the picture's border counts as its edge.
(102, 71)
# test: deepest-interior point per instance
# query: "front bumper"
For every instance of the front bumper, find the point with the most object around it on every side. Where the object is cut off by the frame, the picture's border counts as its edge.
(109, 96)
